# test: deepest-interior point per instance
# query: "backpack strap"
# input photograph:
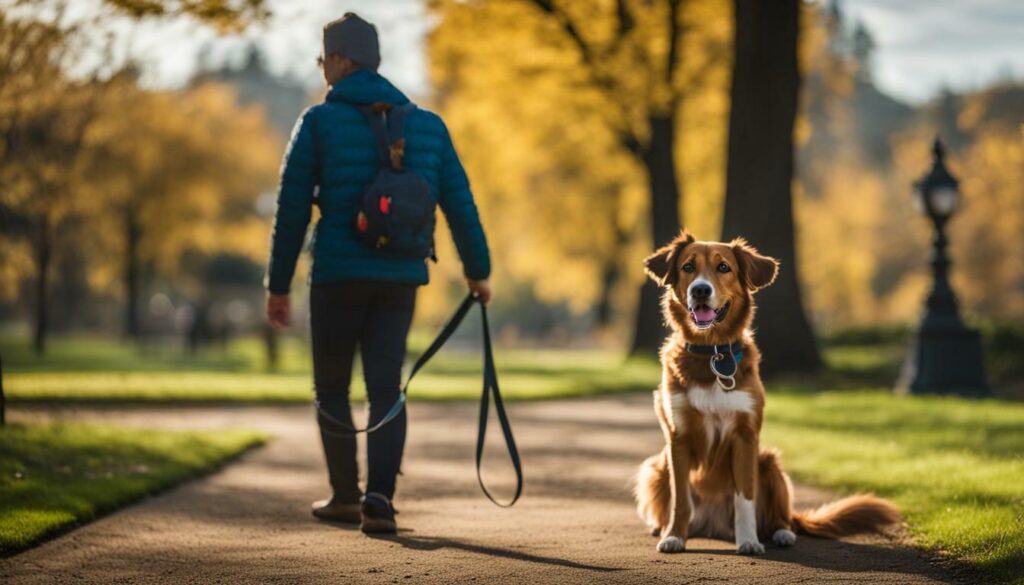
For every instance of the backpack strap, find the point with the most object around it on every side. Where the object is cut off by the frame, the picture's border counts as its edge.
(396, 134)
(388, 125)
(375, 117)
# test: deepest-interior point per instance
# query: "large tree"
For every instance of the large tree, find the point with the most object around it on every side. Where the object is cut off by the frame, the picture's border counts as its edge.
(637, 69)
(611, 74)
(759, 176)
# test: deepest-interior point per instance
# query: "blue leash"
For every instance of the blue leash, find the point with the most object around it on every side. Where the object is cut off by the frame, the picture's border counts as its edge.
(490, 387)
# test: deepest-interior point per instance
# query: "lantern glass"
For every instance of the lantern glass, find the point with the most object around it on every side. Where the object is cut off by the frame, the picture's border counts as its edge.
(944, 201)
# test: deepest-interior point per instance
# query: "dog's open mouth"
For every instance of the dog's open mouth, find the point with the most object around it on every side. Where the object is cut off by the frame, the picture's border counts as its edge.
(704, 316)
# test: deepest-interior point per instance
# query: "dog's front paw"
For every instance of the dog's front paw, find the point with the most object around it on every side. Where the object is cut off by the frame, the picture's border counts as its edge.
(783, 537)
(750, 548)
(672, 544)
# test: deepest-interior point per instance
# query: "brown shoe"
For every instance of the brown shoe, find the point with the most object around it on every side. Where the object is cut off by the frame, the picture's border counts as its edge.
(337, 511)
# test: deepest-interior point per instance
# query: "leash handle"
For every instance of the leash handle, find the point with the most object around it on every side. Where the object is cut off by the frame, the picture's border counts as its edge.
(491, 386)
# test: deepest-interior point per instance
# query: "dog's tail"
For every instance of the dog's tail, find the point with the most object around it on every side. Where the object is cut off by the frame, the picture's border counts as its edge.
(653, 490)
(852, 515)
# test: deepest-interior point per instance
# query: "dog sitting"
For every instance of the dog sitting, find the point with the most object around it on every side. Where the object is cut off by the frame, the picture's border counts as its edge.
(712, 479)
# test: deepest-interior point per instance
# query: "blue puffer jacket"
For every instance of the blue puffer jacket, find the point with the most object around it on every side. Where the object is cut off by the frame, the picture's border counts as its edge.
(333, 147)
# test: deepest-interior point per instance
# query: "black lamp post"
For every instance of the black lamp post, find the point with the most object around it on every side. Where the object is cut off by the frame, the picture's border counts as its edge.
(945, 356)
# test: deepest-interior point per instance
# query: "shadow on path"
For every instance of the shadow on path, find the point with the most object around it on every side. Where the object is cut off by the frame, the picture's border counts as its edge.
(830, 556)
(430, 543)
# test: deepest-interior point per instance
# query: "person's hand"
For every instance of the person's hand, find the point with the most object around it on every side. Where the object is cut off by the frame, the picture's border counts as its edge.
(481, 288)
(278, 310)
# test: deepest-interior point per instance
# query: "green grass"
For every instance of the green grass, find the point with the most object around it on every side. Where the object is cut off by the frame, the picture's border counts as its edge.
(55, 476)
(91, 369)
(955, 467)
(96, 370)
(452, 377)
(102, 354)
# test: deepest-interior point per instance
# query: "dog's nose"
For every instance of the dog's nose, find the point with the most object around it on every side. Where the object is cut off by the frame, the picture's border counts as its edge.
(700, 291)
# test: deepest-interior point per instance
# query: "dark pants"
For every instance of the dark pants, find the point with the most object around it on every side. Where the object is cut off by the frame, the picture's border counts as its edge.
(375, 316)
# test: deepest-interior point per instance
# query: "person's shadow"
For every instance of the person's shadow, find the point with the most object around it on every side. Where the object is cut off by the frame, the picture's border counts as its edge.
(429, 543)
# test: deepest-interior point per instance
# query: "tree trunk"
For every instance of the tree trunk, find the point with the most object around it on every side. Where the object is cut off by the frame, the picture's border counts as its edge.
(44, 255)
(659, 159)
(611, 271)
(759, 176)
(132, 327)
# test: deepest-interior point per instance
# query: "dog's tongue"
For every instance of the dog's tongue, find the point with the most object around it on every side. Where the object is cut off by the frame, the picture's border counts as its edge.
(704, 314)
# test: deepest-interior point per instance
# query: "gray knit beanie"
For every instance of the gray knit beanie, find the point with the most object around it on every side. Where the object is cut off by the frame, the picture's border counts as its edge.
(353, 37)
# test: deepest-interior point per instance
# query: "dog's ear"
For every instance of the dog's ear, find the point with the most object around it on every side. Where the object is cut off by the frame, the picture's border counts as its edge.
(661, 265)
(756, 271)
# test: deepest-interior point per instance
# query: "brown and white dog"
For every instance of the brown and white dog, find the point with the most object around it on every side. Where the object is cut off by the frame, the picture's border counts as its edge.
(712, 479)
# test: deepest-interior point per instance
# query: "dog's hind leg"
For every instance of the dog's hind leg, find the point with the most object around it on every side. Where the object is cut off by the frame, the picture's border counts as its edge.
(774, 500)
(653, 492)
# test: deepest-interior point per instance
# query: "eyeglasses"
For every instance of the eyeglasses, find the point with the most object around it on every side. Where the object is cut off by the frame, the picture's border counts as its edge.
(320, 61)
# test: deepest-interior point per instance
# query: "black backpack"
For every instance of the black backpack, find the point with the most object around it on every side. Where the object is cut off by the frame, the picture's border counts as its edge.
(397, 213)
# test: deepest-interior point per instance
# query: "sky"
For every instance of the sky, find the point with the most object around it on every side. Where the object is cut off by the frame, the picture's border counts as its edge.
(921, 45)
(171, 49)
(924, 45)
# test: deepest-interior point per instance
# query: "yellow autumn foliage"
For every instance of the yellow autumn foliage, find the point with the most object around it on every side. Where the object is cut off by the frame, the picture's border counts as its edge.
(188, 166)
(563, 201)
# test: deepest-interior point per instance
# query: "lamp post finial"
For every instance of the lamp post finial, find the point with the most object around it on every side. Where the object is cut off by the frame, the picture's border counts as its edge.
(938, 150)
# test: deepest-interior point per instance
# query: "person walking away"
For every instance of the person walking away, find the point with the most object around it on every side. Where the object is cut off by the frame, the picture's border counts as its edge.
(363, 291)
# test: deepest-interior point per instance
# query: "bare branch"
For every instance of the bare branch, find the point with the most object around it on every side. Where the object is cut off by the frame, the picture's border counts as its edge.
(625, 18)
(225, 16)
(570, 28)
(674, 32)
(629, 140)
(625, 24)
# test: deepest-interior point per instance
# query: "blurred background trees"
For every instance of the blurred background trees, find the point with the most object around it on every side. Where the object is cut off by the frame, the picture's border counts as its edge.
(591, 130)
(172, 185)
(44, 117)
(224, 14)
(546, 159)
(109, 188)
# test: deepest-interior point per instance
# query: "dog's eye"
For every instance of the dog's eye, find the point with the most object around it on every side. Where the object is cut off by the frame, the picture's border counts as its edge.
(688, 267)
(723, 267)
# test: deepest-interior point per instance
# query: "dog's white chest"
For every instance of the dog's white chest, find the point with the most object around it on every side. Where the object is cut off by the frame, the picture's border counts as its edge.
(717, 402)
(719, 408)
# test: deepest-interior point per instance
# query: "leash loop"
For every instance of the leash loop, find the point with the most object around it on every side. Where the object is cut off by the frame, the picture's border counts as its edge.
(490, 387)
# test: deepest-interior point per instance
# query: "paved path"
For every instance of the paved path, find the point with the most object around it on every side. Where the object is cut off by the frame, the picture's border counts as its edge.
(575, 524)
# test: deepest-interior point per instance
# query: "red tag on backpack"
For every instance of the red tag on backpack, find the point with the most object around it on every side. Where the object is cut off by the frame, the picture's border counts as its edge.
(385, 205)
